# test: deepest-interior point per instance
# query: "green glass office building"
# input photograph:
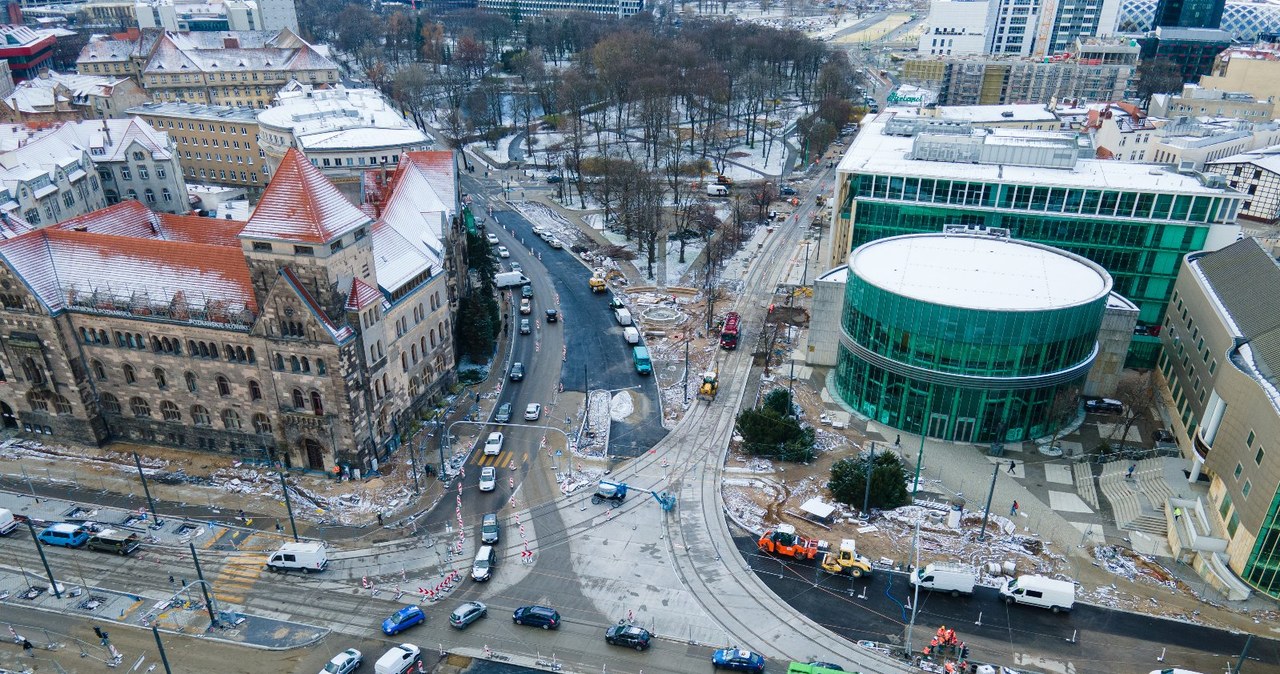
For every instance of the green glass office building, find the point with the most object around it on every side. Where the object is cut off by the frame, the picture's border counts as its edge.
(973, 336)
(1137, 221)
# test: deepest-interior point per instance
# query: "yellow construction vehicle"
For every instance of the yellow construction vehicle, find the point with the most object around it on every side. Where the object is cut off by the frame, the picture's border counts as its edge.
(847, 560)
(597, 281)
(710, 385)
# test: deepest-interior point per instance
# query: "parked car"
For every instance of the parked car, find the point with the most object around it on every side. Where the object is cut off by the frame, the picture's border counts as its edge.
(738, 659)
(488, 478)
(344, 663)
(467, 613)
(629, 636)
(503, 414)
(503, 252)
(526, 291)
(517, 372)
(493, 444)
(525, 328)
(555, 243)
(787, 191)
(402, 620)
(553, 316)
(1104, 406)
(537, 616)
(489, 530)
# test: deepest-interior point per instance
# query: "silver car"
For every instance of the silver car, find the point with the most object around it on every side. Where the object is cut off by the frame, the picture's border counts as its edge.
(467, 613)
(344, 662)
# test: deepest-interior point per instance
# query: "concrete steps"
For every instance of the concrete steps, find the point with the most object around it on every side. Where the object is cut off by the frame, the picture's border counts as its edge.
(1151, 481)
(1149, 524)
(1083, 473)
(1119, 493)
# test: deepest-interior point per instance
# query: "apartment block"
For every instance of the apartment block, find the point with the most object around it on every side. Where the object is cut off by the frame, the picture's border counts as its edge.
(215, 145)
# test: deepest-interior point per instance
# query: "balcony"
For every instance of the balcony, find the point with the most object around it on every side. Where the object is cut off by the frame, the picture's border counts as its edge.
(295, 418)
(1198, 443)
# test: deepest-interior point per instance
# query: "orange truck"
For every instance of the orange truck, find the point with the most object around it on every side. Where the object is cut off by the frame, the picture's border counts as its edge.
(783, 541)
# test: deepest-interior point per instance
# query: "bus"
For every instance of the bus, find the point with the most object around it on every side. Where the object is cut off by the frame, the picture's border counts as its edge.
(815, 668)
(729, 333)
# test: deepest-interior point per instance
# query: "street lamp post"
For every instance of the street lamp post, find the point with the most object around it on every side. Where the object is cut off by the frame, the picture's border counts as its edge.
(924, 432)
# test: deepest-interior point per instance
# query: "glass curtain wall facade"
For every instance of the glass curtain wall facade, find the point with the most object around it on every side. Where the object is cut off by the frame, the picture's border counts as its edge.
(1139, 237)
(965, 375)
(1263, 569)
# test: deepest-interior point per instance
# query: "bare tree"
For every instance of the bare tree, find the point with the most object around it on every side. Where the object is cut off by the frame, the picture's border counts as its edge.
(1139, 393)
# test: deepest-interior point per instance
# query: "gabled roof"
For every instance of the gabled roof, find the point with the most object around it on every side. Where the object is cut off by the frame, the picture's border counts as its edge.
(66, 267)
(338, 333)
(362, 296)
(132, 219)
(300, 204)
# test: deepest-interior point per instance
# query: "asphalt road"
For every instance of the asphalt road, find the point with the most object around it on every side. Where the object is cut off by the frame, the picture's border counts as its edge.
(1088, 640)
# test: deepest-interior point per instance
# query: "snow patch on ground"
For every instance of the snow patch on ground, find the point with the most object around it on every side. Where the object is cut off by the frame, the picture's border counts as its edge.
(621, 406)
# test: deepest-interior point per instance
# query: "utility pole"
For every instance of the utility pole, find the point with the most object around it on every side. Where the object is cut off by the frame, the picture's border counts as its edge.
(1244, 653)
(686, 370)
(915, 602)
(982, 535)
(53, 585)
(924, 428)
(204, 587)
(289, 506)
(150, 502)
(163, 658)
(866, 495)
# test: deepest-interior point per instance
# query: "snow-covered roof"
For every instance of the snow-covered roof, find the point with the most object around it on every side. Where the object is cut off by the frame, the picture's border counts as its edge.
(988, 114)
(979, 272)
(301, 205)
(421, 204)
(1267, 159)
(873, 151)
(362, 295)
(237, 51)
(132, 219)
(20, 36)
(340, 119)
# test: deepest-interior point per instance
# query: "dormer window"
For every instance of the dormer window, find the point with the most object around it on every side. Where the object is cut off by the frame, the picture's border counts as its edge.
(262, 246)
(304, 250)
(360, 233)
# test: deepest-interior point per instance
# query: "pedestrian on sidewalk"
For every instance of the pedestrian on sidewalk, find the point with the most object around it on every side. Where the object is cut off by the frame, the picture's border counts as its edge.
(1132, 467)
(28, 647)
(897, 442)
(1012, 465)
(1013, 509)
(379, 519)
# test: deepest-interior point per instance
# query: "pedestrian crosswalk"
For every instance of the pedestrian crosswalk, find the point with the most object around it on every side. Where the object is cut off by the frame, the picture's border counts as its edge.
(237, 577)
(501, 460)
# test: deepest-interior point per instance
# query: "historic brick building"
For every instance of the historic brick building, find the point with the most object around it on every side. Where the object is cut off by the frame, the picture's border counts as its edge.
(306, 334)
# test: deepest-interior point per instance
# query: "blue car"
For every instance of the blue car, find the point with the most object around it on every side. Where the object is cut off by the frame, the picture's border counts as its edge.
(402, 620)
(738, 659)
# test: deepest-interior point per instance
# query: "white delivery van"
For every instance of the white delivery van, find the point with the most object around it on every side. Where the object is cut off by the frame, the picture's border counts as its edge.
(306, 557)
(632, 335)
(623, 316)
(510, 279)
(482, 567)
(717, 190)
(1055, 595)
(7, 522)
(954, 578)
(398, 660)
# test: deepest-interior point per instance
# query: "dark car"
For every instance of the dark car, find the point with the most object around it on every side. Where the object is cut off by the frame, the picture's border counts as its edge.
(553, 316)
(489, 529)
(536, 616)
(526, 291)
(737, 659)
(629, 636)
(553, 179)
(1104, 406)
(504, 413)
(517, 372)
(402, 620)
(826, 665)
(788, 191)
(467, 613)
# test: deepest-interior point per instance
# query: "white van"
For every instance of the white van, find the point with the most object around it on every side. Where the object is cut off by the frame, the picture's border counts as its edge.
(953, 578)
(632, 335)
(623, 316)
(398, 660)
(717, 191)
(482, 567)
(7, 522)
(1055, 595)
(306, 557)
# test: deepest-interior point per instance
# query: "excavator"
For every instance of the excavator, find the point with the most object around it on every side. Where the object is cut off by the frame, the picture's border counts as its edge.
(710, 385)
(847, 560)
(783, 541)
(597, 280)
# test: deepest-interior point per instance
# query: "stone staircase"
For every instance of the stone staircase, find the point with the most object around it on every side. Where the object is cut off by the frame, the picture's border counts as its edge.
(1126, 496)
(1083, 473)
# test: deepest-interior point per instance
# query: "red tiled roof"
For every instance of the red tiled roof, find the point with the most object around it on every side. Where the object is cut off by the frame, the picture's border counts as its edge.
(300, 204)
(131, 219)
(59, 264)
(362, 295)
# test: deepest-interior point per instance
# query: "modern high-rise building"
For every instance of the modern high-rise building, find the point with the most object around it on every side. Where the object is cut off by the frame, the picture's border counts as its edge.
(528, 8)
(1189, 13)
(918, 175)
(1245, 20)
(1063, 21)
(1015, 27)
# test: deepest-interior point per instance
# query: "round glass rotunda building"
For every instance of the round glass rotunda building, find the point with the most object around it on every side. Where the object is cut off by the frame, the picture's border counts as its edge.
(969, 337)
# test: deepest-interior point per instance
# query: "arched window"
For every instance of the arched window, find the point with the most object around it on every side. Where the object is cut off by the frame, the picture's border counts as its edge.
(280, 362)
(166, 195)
(306, 364)
(62, 405)
(84, 336)
(414, 387)
(249, 355)
(255, 390)
(240, 354)
(102, 337)
(433, 338)
(37, 401)
(294, 364)
(231, 419)
(204, 350)
(422, 344)
(404, 361)
(161, 381)
(261, 424)
(317, 405)
(298, 401)
(131, 194)
(155, 343)
(129, 375)
(109, 403)
(224, 386)
(140, 407)
(139, 341)
(99, 371)
(32, 371)
(191, 347)
(170, 411)
(199, 415)
(413, 351)
(191, 381)
(320, 367)
(149, 195)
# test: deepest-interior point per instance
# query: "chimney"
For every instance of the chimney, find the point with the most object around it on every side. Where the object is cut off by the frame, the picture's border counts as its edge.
(106, 130)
